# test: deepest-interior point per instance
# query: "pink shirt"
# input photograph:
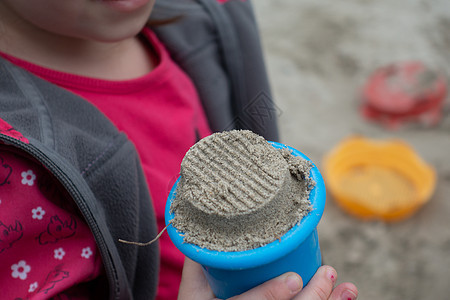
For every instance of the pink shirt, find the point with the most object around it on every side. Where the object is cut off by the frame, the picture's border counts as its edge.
(45, 246)
(161, 113)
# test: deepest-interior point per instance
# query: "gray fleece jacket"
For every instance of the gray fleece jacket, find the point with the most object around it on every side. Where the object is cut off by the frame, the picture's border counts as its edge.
(218, 47)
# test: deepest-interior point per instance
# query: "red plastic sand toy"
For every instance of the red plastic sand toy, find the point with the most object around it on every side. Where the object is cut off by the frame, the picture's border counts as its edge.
(404, 92)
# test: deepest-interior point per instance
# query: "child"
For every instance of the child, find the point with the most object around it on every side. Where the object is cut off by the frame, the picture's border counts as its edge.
(96, 112)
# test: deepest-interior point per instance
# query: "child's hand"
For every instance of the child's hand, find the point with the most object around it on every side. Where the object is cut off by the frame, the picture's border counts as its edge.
(285, 287)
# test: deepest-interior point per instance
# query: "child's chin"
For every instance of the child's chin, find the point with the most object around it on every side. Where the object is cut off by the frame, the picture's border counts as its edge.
(112, 36)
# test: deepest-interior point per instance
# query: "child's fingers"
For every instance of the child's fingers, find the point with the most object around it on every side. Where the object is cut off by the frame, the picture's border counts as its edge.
(284, 287)
(321, 285)
(344, 291)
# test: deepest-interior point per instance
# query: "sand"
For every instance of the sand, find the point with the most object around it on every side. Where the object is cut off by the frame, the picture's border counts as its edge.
(319, 53)
(237, 192)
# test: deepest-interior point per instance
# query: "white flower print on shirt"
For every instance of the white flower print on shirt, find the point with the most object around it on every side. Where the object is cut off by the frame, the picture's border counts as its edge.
(59, 253)
(20, 270)
(38, 213)
(28, 177)
(86, 252)
(33, 287)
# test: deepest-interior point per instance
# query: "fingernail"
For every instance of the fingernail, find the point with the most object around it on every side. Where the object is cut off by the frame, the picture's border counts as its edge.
(348, 295)
(294, 283)
(332, 275)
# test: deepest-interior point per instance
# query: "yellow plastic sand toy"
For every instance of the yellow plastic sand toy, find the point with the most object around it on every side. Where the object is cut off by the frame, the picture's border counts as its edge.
(374, 179)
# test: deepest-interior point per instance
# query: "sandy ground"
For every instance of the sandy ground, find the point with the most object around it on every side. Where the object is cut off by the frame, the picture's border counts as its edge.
(319, 53)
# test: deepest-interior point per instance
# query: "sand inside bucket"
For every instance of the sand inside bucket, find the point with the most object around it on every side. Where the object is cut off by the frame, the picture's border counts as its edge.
(237, 192)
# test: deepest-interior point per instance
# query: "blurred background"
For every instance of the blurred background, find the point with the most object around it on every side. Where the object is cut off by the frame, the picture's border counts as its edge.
(320, 55)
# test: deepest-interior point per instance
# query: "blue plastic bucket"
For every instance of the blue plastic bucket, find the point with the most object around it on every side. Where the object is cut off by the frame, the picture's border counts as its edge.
(232, 273)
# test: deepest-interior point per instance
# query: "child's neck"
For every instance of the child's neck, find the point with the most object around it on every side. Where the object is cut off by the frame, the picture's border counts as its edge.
(125, 59)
